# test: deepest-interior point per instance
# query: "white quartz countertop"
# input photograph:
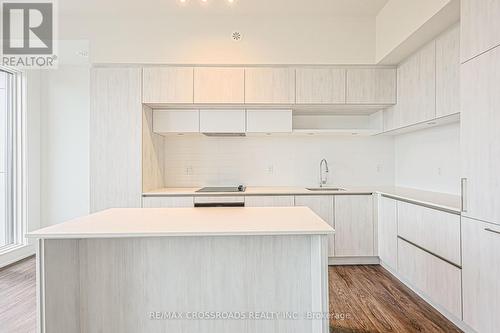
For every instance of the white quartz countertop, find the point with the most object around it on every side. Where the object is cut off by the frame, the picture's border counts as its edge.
(437, 200)
(159, 222)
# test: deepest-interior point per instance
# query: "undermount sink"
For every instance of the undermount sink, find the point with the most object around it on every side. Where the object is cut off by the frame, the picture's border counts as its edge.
(325, 189)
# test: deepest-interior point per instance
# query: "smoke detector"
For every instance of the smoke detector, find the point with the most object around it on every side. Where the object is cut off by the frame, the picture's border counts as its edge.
(236, 36)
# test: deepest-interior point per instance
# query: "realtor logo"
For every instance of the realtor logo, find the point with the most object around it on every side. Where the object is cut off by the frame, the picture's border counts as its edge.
(28, 30)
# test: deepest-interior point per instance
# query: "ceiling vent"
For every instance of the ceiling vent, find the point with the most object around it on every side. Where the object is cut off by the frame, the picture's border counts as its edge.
(236, 35)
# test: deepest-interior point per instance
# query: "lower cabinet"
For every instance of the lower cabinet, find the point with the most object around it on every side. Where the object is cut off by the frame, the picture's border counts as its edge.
(167, 202)
(388, 232)
(437, 279)
(323, 205)
(269, 201)
(354, 227)
(481, 275)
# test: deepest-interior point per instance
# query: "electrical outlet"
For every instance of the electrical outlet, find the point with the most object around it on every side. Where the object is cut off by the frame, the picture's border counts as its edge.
(379, 168)
(189, 170)
(439, 171)
(270, 169)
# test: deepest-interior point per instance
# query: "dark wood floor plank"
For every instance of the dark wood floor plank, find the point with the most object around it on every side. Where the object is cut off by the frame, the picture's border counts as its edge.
(363, 299)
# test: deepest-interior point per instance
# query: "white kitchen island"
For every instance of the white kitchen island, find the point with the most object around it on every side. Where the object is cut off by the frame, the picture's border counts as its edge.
(185, 270)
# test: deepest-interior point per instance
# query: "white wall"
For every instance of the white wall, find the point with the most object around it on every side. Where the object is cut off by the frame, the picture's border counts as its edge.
(65, 143)
(278, 160)
(429, 159)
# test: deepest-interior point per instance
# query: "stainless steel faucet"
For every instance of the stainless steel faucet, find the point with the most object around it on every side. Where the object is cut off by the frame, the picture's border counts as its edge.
(322, 181)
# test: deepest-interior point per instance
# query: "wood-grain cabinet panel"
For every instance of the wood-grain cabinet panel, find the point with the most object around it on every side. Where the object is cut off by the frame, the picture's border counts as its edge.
(167, 85)
(219, 85)
(371, 86)
(321, 85)
(269, 85)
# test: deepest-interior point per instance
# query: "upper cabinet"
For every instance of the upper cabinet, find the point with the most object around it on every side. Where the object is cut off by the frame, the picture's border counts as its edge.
(480, 26)
(219, 85)
(417, 87)
(320, 85)
(167, 85)
(448, 73)
(269, 85)
(371, 86)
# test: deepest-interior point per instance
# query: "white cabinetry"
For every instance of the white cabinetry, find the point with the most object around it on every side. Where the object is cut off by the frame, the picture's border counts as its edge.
(480, 26)
(438, 280)
(269, 85)
(219, 85)
(167, 85)
(269, 201)
(176, 121)
(222, 121)
(480, 137)
(167, 202)
(354, 227)
(371, 86)
(448, 73)
(320, 85)
(417, 87)
(388, 232)
(269, 121)
(481, 275)
(115, 138)
(436, 231)
(323, 205)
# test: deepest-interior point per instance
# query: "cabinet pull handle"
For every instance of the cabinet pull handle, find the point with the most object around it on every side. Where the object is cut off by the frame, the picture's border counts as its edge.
(491, 230)
(463, 187)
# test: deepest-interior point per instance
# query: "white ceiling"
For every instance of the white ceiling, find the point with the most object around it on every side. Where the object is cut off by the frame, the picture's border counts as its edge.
(145, 8)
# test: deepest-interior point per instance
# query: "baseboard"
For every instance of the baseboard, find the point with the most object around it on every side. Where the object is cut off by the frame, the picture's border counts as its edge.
(457, 321)
(16, 255)
(338, 261)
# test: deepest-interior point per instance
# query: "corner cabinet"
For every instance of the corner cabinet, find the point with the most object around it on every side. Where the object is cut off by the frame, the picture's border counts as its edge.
(481, 275)
(115, 138)
(354, 227)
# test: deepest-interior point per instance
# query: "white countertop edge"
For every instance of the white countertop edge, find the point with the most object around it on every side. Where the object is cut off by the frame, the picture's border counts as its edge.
(34, 235)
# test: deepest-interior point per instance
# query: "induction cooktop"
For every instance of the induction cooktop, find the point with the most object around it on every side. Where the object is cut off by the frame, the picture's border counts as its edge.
(239, 188)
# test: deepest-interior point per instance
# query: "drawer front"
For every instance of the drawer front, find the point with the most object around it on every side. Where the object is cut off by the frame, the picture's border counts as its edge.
(436, 231)
(167, 202)
(176, 121)
(438, 280)
(269, 201)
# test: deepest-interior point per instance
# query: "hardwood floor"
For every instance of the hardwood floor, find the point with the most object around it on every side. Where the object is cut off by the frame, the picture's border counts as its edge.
(362, 299)
(18, 297)
(370, 299)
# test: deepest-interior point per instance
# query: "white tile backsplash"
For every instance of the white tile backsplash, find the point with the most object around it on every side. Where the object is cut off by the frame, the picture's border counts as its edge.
(277, 160)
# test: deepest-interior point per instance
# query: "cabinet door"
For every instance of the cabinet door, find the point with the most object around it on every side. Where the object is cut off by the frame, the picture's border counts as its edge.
(354, 229)
(436, 231)
(480, 26)
(433, 277)
(222, 121)
(388, 232)
(371, 86)
(323, 206)
(320, 85)
(167, 85)
(176, 121)
(270, 85)
(448, 73)
(481, 275)
(167, 202)
(269, 201)
(115, 138)
(417, 87)
(269, 121)
(219, 85)
(480, 137)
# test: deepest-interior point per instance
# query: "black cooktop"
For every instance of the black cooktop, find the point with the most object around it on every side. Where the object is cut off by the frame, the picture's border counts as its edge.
(240, 188)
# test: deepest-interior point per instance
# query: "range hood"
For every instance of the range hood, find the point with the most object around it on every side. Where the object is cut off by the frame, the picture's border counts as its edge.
(225, 134)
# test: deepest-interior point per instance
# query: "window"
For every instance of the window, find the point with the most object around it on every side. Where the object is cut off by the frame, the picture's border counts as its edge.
(12, 141)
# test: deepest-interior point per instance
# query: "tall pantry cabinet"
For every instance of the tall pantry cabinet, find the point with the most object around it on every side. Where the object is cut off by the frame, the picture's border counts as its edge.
(480, 145)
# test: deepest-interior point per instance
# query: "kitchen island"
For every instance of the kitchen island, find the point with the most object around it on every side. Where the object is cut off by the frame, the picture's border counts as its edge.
(185, 270)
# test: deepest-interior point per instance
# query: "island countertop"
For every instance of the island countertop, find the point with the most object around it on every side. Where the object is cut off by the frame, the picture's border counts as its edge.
(161, 222)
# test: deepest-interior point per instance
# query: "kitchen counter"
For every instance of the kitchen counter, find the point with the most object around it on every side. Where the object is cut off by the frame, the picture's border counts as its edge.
(156, 222)
(444, 201)
(138, 264)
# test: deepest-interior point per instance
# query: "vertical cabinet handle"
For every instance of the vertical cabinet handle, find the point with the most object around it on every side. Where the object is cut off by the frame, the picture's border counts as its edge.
(463, 189)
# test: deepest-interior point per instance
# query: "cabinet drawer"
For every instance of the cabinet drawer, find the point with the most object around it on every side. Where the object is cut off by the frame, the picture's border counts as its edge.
(436, 231)
(438, 280)
(167, 202)
(269, 201)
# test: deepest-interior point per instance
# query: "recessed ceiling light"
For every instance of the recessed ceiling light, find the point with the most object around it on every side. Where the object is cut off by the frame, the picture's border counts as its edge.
(230, 1)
